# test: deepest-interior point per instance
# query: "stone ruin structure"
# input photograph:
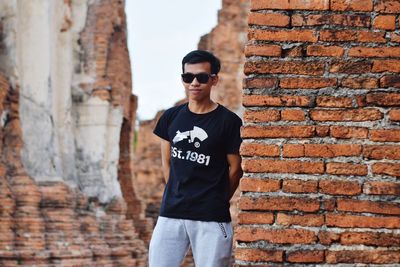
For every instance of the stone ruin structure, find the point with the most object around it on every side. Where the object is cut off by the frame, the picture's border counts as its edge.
(322, 131)
(67, 118)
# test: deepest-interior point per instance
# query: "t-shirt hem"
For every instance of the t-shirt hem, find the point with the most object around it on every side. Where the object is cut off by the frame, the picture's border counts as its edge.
(194, 218)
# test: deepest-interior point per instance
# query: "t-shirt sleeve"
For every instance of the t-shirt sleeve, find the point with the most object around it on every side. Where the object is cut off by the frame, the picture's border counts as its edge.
(161, 129)
(233, 140)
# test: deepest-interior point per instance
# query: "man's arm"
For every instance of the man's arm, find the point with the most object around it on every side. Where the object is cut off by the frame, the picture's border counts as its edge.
(165, 158)
(235, 172)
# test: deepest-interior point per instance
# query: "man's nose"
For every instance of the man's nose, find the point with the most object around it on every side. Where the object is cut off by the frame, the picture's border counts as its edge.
(195, 81)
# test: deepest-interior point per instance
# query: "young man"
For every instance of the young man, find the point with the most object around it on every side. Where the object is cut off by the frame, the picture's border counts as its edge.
(200, 143)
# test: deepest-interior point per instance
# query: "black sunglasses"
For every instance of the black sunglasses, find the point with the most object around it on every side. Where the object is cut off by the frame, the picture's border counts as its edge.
(200, 77)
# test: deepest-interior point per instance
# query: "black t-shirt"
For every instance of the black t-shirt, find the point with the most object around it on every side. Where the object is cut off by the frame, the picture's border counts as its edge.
(198, 183)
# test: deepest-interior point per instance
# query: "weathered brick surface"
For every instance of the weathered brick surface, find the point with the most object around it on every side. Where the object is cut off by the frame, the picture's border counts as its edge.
(50, 223)
(325, 107)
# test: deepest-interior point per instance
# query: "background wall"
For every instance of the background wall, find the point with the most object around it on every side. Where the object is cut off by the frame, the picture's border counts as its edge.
(67, 115)
(322, 132)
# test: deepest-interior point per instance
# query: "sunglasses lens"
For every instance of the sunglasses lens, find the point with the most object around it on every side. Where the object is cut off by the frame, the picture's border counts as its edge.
(187, 77)
(202, 77)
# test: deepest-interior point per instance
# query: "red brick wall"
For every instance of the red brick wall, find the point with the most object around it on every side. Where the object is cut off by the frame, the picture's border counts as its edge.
(322, 132)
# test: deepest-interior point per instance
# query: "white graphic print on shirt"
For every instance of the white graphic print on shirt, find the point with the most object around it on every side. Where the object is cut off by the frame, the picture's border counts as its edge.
(196, 133)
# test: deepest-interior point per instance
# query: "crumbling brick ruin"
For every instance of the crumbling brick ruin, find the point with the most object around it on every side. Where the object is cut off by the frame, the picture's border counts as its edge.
(66, 125)
(322, 133)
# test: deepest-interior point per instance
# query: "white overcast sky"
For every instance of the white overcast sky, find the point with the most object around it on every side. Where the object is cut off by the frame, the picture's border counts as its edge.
(160, 33)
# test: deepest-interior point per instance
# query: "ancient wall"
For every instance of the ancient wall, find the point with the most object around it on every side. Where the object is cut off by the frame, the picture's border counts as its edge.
(322, 135)
(67, 119)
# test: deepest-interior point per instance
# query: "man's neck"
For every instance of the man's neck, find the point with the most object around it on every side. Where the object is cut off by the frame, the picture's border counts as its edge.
(202, 107)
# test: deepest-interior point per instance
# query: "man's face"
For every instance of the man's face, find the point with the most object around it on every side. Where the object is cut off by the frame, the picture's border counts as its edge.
(195, 90)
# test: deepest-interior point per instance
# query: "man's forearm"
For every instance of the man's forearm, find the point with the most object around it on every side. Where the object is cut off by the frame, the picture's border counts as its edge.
(166, 169)
(234, 178)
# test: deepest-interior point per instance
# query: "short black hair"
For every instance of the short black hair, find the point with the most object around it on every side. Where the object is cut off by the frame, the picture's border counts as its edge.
(199, 56)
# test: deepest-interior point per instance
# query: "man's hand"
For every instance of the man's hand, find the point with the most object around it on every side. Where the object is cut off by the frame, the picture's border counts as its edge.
(165, 158)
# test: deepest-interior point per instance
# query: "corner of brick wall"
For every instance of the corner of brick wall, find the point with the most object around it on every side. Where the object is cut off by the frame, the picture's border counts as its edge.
(321, 137)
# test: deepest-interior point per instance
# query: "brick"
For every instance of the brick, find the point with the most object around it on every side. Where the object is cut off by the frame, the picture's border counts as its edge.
(348, 132)
(285, 67)
(339, 168)
(381, 152)
(352, 221)
(268, 19)
(390, 81)
(370, 114)
(290, 4)
(257, 255)
(388, 6)
(259, 185)
(322, 131)
(362, 256)
(277, 166)
(361, 101)
(334, 102)
(259, 83)
(296, 51)
(325, 51)
(293, 115)
(255, 218)
(392, 169)
(385, 22)
(331, 150)
(370, 239)
(328, 204)
(360, 83)
(278, 131)
(259, 149)
(331, 19)
(293, 150)
(327, 238)
(306, 83)
(279, 204)
(394, 115)
(374, 52)
(303, 220)
(382, 188)
(352, 35)
(284, 236)
(283, 35)
(389, 65)
(276, 101)
(299, 186)
(371, 37)
(263, 50)
(354, 5)
(378, 207)
(261, 115)
(394, 37)
(384, 99)
(385, 135)
(306, 256)
(339, 187)
(351, 67)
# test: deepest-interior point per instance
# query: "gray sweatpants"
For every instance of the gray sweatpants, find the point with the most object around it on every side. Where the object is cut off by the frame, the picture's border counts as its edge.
(211, 243)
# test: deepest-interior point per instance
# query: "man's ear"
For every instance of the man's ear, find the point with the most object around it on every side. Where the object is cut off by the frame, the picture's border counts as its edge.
(215, 80)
